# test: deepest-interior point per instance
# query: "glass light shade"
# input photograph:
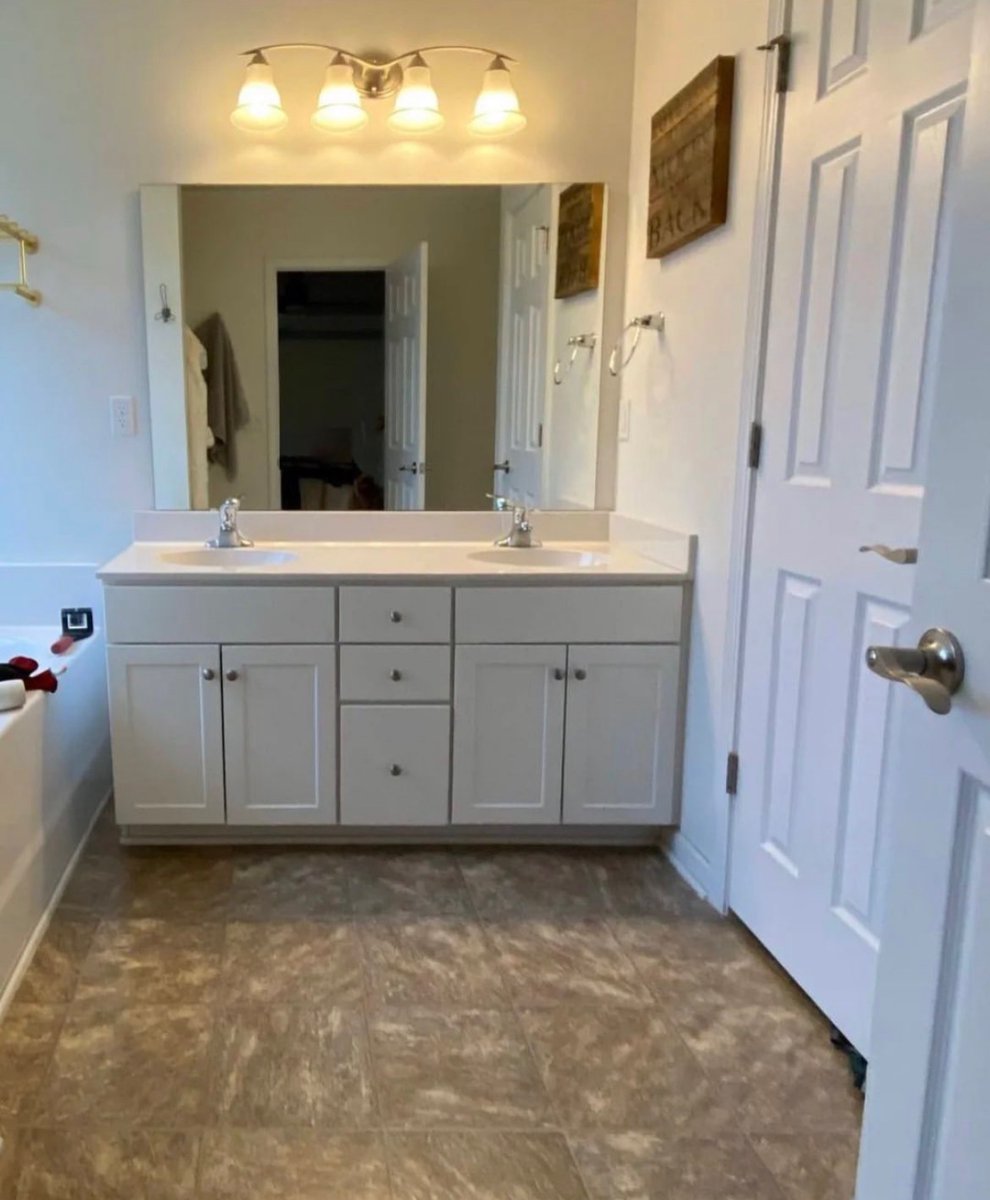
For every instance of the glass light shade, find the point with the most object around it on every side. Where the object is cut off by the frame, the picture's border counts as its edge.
(259, 106)
(496, 111)
(339, 108)
(417, 109)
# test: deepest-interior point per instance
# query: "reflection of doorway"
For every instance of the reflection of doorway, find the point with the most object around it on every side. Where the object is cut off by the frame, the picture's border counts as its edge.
(331, 388)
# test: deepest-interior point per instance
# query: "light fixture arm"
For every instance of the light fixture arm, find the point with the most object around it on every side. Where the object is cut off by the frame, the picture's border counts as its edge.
(377, 64)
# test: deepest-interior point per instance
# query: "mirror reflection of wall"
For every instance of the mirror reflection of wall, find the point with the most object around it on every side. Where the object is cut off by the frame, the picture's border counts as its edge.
(394, 347)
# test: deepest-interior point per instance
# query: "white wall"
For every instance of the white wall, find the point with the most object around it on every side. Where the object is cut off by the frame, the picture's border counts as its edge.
(109, 95)
(231, 237)
(678, 466)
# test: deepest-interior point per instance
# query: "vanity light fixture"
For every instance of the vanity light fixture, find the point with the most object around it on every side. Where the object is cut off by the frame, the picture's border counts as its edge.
(351, 79)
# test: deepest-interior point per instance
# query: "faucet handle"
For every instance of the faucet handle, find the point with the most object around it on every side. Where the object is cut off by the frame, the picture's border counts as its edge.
(502, 503)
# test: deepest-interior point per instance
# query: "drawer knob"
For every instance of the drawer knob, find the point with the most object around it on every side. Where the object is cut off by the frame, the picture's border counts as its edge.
(395, 617)
(580, 673)
(395, 675)
(231, 675)
(558, 674)
(395, 769)
(208, 674)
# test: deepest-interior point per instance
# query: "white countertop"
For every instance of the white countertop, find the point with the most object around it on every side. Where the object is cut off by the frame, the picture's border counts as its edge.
(406, 561)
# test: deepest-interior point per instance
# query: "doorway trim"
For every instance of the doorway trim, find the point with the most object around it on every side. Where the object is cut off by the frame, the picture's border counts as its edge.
(750, 410)
(272, 398)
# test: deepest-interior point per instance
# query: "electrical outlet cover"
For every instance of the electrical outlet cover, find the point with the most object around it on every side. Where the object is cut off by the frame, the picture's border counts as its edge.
(123, 419)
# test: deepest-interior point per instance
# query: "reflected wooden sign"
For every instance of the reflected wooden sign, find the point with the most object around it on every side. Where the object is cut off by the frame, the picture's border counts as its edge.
(579, 239)
(689, 160)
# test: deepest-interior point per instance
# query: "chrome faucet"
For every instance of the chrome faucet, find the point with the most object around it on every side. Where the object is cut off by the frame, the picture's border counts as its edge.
(229, 536)
(520, 536)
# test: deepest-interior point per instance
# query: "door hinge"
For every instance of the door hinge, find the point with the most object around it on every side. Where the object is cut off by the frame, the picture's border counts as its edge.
(782, 44)
(755, 445)
(732, 773)
(539, 436)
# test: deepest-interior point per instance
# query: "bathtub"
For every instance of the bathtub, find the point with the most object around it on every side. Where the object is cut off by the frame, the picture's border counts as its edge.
(54, 761)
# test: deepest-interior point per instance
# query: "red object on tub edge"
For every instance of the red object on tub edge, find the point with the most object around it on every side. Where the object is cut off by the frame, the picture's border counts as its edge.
(63, 644)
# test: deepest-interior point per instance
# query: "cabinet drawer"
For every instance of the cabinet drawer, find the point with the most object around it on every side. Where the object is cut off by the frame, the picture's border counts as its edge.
(395, 673)
(394, 764)
(569, 614)
(395, 614)
(159, 614)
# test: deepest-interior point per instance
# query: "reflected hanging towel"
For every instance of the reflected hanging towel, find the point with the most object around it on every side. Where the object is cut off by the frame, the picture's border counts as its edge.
(226, 406)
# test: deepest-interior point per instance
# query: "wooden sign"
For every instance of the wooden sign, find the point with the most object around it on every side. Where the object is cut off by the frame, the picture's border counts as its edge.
(579, 238)
(689, 160)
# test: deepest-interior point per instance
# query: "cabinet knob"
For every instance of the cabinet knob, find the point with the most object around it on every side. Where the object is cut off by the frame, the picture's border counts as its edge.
(209, 673)
(395, 769)
(395, 617)
(558, 674)
(231, 675)
(580, 673)
(395, 675)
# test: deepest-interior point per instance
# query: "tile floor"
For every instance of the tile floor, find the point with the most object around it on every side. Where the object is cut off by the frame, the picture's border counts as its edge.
(411, 1025)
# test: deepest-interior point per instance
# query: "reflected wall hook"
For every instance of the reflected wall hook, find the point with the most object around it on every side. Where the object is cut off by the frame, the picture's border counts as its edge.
(27, 243)
(579, 341)
(655, 321)
(165, 313)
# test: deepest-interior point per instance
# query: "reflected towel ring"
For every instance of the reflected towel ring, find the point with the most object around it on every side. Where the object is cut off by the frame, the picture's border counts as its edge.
(654, 321)
(579, 341)
(165, 313)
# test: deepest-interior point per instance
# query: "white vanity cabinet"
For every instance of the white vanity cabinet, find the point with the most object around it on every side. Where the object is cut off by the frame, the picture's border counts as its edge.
(395, 705)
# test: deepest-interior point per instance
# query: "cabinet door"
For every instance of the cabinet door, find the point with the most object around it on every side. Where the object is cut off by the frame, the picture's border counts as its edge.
(508, 734)
(620, 747)
(166, 726)
(280, 734)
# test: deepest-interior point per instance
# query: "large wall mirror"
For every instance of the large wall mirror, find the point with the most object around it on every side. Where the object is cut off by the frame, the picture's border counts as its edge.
(374, 347)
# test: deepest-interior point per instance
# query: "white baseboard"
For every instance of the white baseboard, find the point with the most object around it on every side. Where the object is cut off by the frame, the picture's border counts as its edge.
(689, 863)
(41, 928)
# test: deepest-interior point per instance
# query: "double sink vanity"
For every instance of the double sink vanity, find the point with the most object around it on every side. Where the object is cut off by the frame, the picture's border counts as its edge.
(365, 676)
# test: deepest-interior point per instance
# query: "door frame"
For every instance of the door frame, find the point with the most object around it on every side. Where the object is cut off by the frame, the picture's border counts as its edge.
(273, 401)
(712, 878)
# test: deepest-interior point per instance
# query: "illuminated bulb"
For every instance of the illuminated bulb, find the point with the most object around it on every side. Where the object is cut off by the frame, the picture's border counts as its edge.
(339, 108)
(259, 106)
(496, 111)
(417, 109)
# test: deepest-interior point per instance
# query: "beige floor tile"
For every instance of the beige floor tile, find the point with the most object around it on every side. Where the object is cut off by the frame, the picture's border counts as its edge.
(28, 1036)
(94, 1164)
(553, 960)
(399, 883)
(97, 887)
(150, 961)
(51, 977)
(292, 1164)
(132, 1066)
(431, 962)
(466, 1069)
(316, 963)
(780, 1065)
(177, 884)
(483, 1166)
(283, 885)
(643, 883)
(531, 883)
(812, 1166)
(644, 1166)
(278, 1066)
(621, 1068)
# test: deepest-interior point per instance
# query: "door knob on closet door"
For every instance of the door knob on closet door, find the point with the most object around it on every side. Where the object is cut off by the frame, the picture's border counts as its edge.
(231, 675)
(935, 670)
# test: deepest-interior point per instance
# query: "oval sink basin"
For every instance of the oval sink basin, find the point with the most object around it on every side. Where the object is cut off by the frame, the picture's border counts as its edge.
(539, 556)
(243, 556)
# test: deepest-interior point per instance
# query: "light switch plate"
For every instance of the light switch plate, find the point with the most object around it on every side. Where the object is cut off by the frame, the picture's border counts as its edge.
(123, 417)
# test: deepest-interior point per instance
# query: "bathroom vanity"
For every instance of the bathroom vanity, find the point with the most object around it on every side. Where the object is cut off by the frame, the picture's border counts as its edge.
(398, 687)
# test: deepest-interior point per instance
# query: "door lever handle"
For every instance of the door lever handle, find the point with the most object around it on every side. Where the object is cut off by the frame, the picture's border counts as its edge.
(935, 670)
(902, 555)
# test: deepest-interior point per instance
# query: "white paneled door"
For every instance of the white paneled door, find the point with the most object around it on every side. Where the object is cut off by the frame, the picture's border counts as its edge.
(405, 379)
(526, 303)
(928, 1102)
(869, 162)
